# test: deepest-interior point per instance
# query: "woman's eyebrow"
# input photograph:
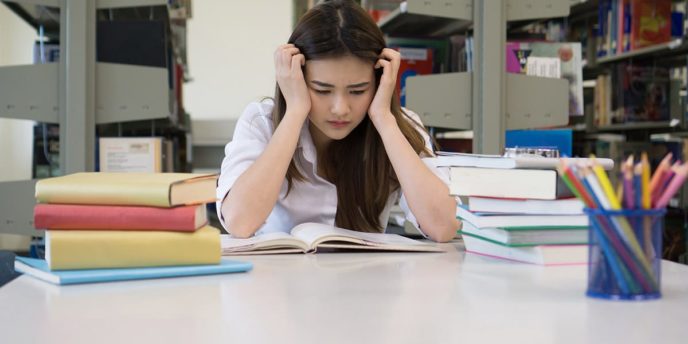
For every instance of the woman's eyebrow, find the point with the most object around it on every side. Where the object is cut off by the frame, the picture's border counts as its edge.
(360, 84)
(320, 83)
(324, 84)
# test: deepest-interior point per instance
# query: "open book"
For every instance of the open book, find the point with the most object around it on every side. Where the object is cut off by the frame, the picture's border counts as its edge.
(308, 237)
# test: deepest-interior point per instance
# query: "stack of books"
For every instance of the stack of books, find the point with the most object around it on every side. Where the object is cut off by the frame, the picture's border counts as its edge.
(518, 209)
(126, 222)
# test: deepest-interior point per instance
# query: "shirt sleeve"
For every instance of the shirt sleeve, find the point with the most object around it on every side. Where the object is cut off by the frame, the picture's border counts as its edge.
(431, 162)
(251, 136)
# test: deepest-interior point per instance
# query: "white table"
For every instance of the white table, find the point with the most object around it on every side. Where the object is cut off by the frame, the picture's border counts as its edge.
(348, 298)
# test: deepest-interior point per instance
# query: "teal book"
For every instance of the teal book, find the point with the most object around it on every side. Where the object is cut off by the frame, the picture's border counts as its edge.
(38, 268)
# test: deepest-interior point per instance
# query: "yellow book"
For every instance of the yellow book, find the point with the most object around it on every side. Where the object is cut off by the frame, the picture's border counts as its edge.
(67, 250)
(143, 189)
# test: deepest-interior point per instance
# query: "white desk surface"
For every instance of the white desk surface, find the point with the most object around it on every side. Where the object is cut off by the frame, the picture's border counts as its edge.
(348, 298)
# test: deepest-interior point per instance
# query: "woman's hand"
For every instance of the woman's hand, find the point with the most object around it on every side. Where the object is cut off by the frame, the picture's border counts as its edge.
(380, 110)
(288, 64)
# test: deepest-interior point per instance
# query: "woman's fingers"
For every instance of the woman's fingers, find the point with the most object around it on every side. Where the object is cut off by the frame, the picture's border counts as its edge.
(297, 61)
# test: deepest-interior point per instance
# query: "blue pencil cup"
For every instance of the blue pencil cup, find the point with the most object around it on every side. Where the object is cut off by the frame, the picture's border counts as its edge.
(625, 253)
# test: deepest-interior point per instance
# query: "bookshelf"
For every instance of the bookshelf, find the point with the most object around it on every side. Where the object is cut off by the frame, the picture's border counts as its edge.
(78, 92)
(487, 100)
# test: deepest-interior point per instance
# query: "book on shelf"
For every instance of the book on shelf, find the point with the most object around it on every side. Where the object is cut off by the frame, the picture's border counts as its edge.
(449, 159)
(46, 150)
(482, 220)
(109, 217)
(563, 206)
(82, 249)
(550, 59)
(642, 93)
(310, 237)
(46, 53)
(507, 183)
(414, 61)
(441, 49)
(131, 154)
(650, 22)
(527, 237)
(133, 189)
(38, 268)
(546, 255)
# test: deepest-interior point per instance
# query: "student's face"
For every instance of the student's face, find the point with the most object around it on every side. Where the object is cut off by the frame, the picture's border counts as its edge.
(341, 91)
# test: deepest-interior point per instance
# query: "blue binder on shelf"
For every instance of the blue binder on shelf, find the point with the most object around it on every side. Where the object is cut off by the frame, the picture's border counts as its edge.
(562, 139)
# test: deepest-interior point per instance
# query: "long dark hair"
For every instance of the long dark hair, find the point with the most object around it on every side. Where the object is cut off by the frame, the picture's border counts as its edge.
(361, 171)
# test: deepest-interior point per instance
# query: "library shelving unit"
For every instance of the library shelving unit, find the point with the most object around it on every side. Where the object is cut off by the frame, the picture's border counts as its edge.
(77, 92)
(672, 53)
(638, 136)
(487, 100)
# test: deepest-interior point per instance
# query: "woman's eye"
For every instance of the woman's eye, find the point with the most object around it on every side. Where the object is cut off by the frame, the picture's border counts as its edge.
(321, 91)
(358, 92)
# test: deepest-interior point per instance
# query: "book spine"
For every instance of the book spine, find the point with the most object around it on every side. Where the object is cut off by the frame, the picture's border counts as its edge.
(72, 250)
(96, 217)
(103, 194)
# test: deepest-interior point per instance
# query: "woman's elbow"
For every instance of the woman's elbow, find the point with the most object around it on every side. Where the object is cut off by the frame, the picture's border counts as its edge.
(445, 232)
(238, 228)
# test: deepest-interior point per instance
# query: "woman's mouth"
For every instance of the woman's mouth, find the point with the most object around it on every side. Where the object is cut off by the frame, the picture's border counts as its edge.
(338, 124)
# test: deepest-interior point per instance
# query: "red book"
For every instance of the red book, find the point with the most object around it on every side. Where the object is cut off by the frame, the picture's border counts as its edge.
(414, 61)
(650, 22)
(106, 217)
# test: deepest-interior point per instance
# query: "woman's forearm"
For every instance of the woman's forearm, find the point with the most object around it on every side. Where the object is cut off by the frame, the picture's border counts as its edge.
(427, 196)
(254, 194)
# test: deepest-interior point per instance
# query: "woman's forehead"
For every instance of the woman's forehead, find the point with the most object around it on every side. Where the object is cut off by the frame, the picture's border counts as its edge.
(340, 70)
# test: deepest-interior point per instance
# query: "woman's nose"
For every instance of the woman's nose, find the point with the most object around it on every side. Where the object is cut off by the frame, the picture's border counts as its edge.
(340, 106)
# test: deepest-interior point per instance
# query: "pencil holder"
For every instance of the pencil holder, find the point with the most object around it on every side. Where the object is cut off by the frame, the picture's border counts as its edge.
(625, 253)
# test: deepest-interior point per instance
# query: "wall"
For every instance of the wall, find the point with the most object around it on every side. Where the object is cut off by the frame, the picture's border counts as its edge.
(235, 66)
(16, 136)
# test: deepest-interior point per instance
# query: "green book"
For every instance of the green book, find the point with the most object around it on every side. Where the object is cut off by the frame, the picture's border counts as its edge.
(515, 237)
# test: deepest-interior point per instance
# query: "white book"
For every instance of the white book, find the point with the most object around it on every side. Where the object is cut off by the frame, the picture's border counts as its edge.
(565, 206)
(482, 220)
(131, 154)
(548, 67)
(507, 183)
(309, 237)
(527, 237)
(541, 255)
(448, 159)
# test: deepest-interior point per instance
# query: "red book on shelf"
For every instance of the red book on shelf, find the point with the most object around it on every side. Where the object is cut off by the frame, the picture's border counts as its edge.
(650, 22)
(414, 61)
(105, 217)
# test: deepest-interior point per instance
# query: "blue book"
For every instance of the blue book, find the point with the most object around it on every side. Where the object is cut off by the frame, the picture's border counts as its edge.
(38, 268)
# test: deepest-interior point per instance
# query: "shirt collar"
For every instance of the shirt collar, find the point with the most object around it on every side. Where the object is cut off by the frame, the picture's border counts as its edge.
(306, 143)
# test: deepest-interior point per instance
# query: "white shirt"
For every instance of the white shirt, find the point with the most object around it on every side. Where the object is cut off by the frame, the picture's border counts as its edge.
(313, 200)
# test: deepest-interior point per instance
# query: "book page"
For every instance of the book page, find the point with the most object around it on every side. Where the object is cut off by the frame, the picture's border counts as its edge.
(315, 233)
(269, 241)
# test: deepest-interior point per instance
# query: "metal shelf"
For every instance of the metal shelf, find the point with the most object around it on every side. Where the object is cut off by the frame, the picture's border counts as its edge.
(538, 9)
(444, 100)
(77, 92)
(535, 102)
(124, 93)
(46, 13)
(100, 4)
(638, 126)
(32, 94)
(441, 100)
(38, 13)
(430, 18)
(131, 93)
(16, 207)
(664, 50)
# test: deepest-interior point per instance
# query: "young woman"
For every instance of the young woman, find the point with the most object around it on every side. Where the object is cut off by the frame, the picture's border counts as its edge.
(334, 146)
